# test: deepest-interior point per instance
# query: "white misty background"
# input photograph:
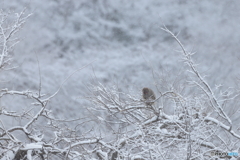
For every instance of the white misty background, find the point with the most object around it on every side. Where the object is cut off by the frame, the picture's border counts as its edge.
(127, 50)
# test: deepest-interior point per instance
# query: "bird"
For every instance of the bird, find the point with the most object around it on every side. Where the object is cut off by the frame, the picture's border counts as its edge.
(148, 96)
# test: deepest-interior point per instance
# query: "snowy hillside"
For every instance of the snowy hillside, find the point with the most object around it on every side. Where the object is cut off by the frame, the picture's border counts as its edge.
(124, 40)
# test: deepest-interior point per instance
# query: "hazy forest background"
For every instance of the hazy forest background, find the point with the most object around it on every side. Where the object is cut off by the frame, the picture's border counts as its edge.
(123, 45)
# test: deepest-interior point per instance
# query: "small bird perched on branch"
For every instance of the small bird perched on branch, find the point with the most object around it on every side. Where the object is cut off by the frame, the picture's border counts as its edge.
(148, 96)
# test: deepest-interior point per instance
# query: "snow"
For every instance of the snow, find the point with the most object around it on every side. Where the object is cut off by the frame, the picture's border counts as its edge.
(125, 41)
(9, 155)
(29, 154)
(31, 146)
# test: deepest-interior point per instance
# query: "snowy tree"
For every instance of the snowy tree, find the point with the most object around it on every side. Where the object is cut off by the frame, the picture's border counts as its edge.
(188, 119)
(199, 126)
